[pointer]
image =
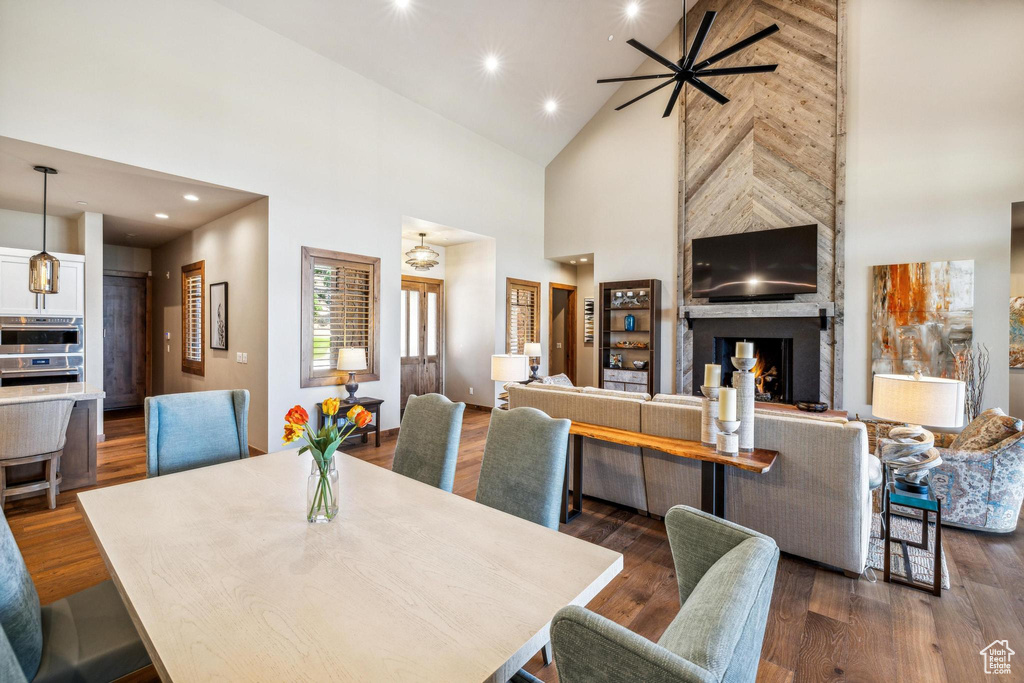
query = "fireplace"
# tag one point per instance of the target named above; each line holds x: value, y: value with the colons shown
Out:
x: 773, y: 371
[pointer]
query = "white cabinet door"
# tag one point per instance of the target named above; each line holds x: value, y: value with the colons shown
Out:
x: 70, y: 297
x: 15, y: 299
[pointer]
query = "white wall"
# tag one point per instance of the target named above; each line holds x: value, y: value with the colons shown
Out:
x: 23, y: 230
x: 470, y: 291
x: 194, y: 89
x: 234, y: 248
x: 613, y: 191
x: 935, y: 157
x: 89, y: 227
x: 128, y: 259
x: 437, y: 272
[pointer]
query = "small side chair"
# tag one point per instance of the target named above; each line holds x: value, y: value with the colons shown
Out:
x: 185, y: 431
x: 30, y: 433
x: 428, y: 441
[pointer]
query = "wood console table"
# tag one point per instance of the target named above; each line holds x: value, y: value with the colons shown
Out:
x: 713, y: 464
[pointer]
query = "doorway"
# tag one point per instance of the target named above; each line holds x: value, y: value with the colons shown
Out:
x: 422, y: 337
x: 562, y: 330
x: 127, y: 347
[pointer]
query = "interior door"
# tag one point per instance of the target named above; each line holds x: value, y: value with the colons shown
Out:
x: 124, y: 341
x: 422, y: 342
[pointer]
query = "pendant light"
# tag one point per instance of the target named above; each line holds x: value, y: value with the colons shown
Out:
x: 422, y: 257
x: 43, y: 269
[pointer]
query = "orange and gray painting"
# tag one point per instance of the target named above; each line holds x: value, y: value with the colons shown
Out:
x: 921, y: 314
x: 1017, y: 332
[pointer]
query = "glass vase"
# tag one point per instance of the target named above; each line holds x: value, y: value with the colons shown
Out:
x: 322, y: 493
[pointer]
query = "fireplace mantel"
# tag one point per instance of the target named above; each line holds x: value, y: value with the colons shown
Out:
x: 775, y: 309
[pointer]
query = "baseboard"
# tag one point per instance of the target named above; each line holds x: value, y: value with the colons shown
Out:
x: 100, y: 438
x: 386, y: 433
x: 485, y: 409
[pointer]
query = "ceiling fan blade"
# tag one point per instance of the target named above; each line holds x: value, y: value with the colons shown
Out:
x: 634, y: 78
x: 731, y: 70
x: 673, y: 98
x: 653, y: 55
x: 746, y: 42
x: 699, y: 38
x: 709, y: 91
x: 640, y: 97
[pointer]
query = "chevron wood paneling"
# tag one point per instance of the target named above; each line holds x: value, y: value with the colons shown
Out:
x: 768, y: 159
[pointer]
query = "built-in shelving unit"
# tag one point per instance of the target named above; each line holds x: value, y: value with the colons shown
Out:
x: 642, y: 300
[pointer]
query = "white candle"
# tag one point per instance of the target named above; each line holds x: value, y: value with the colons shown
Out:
x: 727, y: 404
x: 744, y: 349
x: 712, y: 375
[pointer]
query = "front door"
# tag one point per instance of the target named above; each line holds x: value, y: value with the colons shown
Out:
x: 124, y: 341
x: 422, y: 342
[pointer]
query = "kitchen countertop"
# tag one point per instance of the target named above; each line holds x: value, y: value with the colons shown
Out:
x: 80, y: 391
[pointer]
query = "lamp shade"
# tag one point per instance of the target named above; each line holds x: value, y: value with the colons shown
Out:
x: 931, y: 401
x: 507, y: 368
x: 531, y: 349
x: 351, y: 359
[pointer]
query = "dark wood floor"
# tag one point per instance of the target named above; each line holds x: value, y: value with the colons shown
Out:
x: 822, y: 625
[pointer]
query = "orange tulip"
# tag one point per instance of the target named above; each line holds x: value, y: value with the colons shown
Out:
x: 362, y: 418
x: 292, y: 432
x: 297, y: 416
x: 330, y: 406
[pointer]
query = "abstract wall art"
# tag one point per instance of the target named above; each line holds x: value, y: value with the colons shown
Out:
x: 922, y: 313
x: 1017, y: 331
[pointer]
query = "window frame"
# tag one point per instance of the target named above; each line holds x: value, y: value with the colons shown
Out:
x: 336, y: 377
x: 193, y: 367
x: 516, y: 283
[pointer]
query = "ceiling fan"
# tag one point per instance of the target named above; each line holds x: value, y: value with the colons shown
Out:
x: 689, y: 70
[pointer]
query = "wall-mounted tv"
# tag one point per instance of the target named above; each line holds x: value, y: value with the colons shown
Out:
x: 750, y: 266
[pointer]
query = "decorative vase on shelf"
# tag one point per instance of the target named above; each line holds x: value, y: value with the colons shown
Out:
x: 630, y: 322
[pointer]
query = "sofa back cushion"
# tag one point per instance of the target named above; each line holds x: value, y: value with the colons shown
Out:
x: 607, y: 411
x: 615, y: 392
x: 986, y: 430
x: 685, y: 400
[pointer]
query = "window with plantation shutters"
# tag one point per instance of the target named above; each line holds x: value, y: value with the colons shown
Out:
x: 193, y: 335
x: 522, y: 311
x: 340, y: 309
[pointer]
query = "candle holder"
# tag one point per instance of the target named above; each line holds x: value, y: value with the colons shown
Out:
x: 727, y: 442
x: 743, y: 382
x: 708, y: 409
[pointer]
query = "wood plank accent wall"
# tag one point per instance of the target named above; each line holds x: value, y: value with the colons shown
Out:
x: 773, y: 157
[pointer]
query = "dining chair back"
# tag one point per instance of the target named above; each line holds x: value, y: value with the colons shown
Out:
x: 19, y: 604
x: 10, y: 670
x: 523, y: 467
x: 428, y: 441
x: 29, y: 433
x: 185, y: 431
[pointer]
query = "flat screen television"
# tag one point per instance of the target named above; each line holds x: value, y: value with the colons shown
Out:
x: 750, y: 266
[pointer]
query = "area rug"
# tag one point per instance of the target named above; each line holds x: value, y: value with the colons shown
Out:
x: 920, y: 560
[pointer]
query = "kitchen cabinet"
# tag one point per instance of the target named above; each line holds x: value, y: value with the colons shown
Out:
x: 17, y: 300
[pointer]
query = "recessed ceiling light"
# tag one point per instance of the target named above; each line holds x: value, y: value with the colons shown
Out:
x: 550, y: 106
x: 491, y: 63
x: 572, y: 262
x: 402, y: 4
x: 632, y: 9
x: 161, y: 215
x: 583, y: 260
x: 611, y: 38
x: 81, y: 203
x: 191, y: 197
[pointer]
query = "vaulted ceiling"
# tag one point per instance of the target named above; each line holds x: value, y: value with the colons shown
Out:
x: 434, y: 51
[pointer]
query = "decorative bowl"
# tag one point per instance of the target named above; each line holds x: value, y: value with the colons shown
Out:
x: 812, y: 406
x: 640, y: 364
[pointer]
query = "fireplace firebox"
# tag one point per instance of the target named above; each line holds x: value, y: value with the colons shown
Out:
x: 773, y: 371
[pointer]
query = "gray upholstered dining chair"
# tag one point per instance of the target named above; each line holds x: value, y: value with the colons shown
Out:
x: 30, y: 433
x: 726, y: 575
x: 185, y: 431
x: 84, y: 637
x: 523, y: 466
x: 428, y: 441
x: 10, y: 669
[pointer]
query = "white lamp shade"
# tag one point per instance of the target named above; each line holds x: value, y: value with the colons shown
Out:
x: 531, y: 349
x: 506, y: 368
x: 930, y: 401
x: 351, y: 359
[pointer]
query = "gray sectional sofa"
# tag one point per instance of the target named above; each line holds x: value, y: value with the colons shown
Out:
x: 815, y: 501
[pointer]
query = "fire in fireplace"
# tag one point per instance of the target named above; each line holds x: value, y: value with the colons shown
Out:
x: 773, y: 371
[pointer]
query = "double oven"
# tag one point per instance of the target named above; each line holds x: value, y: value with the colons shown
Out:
x: 41, y: 350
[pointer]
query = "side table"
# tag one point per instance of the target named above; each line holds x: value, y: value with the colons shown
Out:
x: 927, y: 503
x: 372, y: 405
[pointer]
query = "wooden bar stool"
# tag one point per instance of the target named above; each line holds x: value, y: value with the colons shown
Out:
x: 33, y: 432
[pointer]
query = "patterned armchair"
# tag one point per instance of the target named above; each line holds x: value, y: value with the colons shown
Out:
x: 981, y: 478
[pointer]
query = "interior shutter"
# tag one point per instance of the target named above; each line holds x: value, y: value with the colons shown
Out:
x: 523, y: 311
x: 192, y: 305
x: 342, y: 316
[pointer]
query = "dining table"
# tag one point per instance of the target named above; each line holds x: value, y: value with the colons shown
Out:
x: 226, y: 580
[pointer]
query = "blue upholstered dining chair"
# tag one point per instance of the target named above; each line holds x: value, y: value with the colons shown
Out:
x: 84, y: 637
x: 523, y: 466
x: 185, y: 431
x: 428, y: 442
x: 726, y: 575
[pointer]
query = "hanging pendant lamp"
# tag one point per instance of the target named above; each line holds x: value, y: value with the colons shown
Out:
x: 43, y: 269
x: 422, y: 257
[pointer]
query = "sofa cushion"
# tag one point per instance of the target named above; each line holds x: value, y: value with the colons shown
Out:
x: 683, y: 399
x: 986, y: 430
x: 555, y: 387
x: 615, y: 392
x: 560, y: 379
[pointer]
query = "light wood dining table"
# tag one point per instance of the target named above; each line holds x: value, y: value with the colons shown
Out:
x: 225, y: 579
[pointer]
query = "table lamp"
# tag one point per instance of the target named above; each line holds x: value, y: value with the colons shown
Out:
x: 532, y: 350
x: 509, y: 368
x: 915, y: 401
x: 351, y: 360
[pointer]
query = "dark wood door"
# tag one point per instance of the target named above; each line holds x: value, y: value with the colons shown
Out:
x: 124, y: 341
x: 422, y: 336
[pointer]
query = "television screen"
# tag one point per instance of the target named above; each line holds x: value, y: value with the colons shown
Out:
x: 768, y: 264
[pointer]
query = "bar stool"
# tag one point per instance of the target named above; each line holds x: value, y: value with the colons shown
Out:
x: 33, y: 432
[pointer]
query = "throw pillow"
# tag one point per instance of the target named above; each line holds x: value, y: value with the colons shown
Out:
x: 560, y: 379
x: 986, y: 430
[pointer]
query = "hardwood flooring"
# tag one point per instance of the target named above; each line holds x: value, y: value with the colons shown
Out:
x: 822, y: 625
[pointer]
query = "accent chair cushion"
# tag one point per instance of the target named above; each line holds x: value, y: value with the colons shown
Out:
x: 986, y: 430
